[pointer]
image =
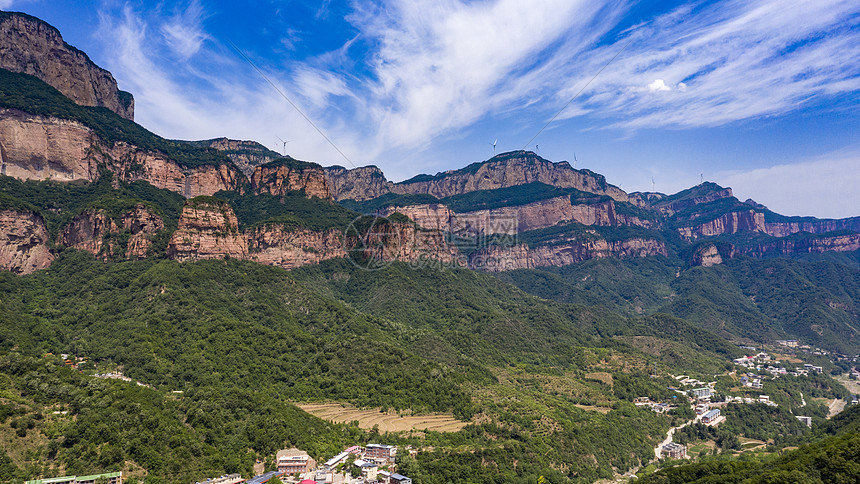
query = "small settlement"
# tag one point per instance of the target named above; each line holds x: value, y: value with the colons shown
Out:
x: 373, y: 463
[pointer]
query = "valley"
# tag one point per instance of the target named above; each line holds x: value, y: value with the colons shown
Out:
x: 176, y: 311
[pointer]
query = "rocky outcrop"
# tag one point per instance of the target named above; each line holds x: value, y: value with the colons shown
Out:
x: 31, y: 46
x: 507, y: 170
x: 502, y: 171
x: 729, y: 223
x: 805, y: 245
x: 291, y: 248
x: 499, y: 258
x: 511, y: 220
x: 363, y: 183
x: 208, y: 229
x: 433, y: 216
x: 389, y: 241
x: 246, y: 155
x: 783, y: 229
x: 96, y: 232
x: 706, y: 256
x: 23, y: 242
x: 45, y: 148
x: 288, y: 175
x: 705, y: 193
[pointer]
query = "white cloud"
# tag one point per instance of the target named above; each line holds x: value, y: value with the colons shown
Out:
x: 6, y: 4
x: 659, y: 85
x: 184, y: 31
x: 825, y: 186
x: 438, y: 67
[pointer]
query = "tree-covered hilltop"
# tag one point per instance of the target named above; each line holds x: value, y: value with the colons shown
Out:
x: 814, y: 299
x: 530, y: 373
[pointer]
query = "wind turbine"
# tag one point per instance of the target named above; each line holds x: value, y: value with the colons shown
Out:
x: 284, y: 142
x: 494, y: 143
x: 701, y: 178
x: 652, y: 185
x: 574, y: 160
x: 537, y: 149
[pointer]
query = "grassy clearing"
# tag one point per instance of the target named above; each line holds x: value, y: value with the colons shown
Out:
x: 387, y: 421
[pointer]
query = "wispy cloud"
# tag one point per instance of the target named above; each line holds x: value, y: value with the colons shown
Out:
x: 435, y: 68
x: 184, y: 31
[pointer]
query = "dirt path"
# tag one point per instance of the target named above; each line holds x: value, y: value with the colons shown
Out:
x: 669, y: 435
x: 836, y: 406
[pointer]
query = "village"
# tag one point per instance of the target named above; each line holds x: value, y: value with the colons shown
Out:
x: 750, y: 371
x: 376, y: 463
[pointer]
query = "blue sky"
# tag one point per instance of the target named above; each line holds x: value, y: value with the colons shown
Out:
x: 760, y: 96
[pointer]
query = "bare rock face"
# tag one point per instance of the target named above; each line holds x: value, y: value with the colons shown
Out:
x: 511, y: 220
x: 363, y: 183
x: 502, y: 171
x: 92, y: 230
x: 811, y: 245
x: 507, y: 170
x: 405, y: 242
x: 729, y: 223
x: 23, y: 242
x: 782, y: 229
x: 281, y: 177
x: 31, y: 46
x: 275, y: 245
x: 433, y: 216
x: 705, y: 193
x: 208, y: 229
x: 45, y: 148
x: 246, y: 155
x: 707, y: 256
x: 499, y: 258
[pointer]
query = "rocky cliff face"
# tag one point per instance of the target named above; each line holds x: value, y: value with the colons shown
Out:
x: 208, y: 229
x: 507, y: 170
x: 45, y: 148
x: 95, y: 231
x: 31, y: 46
x: 279, y: 178
x: 246, y: 155
x: 277, y: 246
x: 502, y: 171
x: 363, y: 183
x: 23, y: 242
x: 511, y: 220
x: 706, y: 256
x: 705, y: 193
x: 782, y: 229
x: 729, y: 223
x: 391, y: 241
x: 498, y: 258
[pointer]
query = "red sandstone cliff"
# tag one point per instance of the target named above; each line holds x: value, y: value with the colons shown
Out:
x: 499, y: 258
x: 31, y: 46
x: 287, y: 175
x: 23, y: 242
x: 363, y: 183
x: 94, y: 231
x: 246, y: 155
x: 44, y: 148
x: 208, y: 229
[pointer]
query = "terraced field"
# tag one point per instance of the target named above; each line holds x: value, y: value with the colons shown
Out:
x: 387, y: 421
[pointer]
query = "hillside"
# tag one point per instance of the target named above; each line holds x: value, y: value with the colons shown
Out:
x: 170, y: 307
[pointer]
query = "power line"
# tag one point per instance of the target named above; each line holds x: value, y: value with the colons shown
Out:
x: 577, y: 95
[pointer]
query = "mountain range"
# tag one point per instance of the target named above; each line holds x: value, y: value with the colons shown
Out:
x: 522, y: 295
